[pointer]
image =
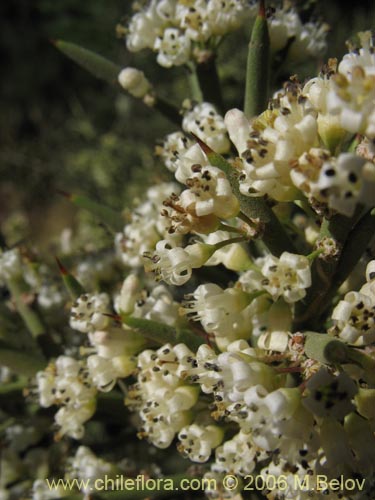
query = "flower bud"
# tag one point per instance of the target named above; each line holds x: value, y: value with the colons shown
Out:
x: 134, y: 81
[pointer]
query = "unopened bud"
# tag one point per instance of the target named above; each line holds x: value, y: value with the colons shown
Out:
x: 134, y: 81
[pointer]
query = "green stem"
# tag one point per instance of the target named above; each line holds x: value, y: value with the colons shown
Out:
x: 195, y: 89
x: 366, y: 362
x: 313, y: 255
x: 17, y: 386
x: 231, y: 229
x: 257, y: 71
x: 209, y: 82
x: 303, y: 204
x: 30, y: 317
x: 168, y: 110
x: 356, y: 244
x: 221, y: 244
x: 317, y: 299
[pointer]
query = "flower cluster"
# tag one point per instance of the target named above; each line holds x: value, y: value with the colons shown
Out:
x: 180, y: 31
x: 160, y: 396
x: 256, y: 356
x: 175, y: 29
x: 67, y: 383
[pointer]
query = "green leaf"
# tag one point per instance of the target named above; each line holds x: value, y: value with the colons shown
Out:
x: 351, y: 238
x: 257, y: 71
x: 366, y: 362
x: 30, y: 317
x: 163, y: 334
x: 11, y: 387
x: 73, y: 286
x: 20, y: 362
x: 105, y: 214
x: 96, y: 64
x: 325, y: 349
x: 108, y: 71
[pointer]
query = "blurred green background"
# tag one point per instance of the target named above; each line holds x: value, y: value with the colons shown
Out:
x: 62, y: 129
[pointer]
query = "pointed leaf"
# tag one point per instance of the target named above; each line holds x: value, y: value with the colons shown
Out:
x: 257, y: 71
x: 325, y: 349
x: 163, y: 334
x: 20, y: 362
x: 73, y: 286
x: 96, y: 64
x: 105, y: 214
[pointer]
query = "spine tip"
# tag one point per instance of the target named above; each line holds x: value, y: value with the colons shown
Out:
x: 262, y: 9
x: 62, y: 269
x: 205, y: 148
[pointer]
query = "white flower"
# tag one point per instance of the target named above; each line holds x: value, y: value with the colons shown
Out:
x: 225, y: 313
x: 283, y: 25
x: 134, y: 81
x: 10, y: 264
x: 330, y: 395
x: 88, y: 312
x: 188, y: 160
x: 287, y: 276
x: 228, y: 375
x: 237, y: 456
x: 274, y: 341
x: 158, y: 306
x: 227, y: 15
x: 311, y: 41
x: 173, y: 48
x: 86, y: 465
x: 192, y: 19
x: 204, y: 121
x: 105, y: 372
x: 174, y: 146
x: 306, y: 171
x: 354, y: 318
x: 197, y: 441
x: 144, y: 27
x: 344, y: 182
x: 369, y: 287
x: 269, y: 146
x: 363, y: 57
x: 352, y: 97
x: 209, y: 193
x: 50, y: 295
x: 161, y: 395
x: 67, y: 383
x: 129, y: 294
x: 71, y: 418
x: 174, y: 265
x: 115, y: 342
x: 147, y: 226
